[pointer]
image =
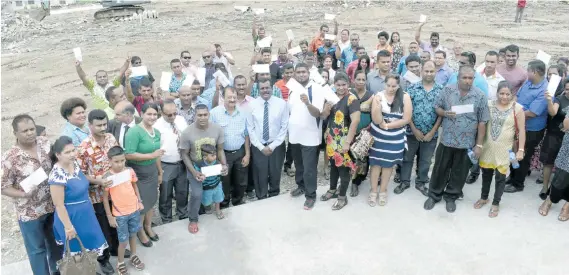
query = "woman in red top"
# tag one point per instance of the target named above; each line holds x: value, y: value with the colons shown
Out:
x: 520, y: 11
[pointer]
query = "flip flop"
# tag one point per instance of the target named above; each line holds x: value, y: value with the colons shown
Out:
x: 480, y: 203
x: 220, y: 215
x: 494, y: 210
x: 544, y: 208
x: 564, y: 215
x: 193, y: 227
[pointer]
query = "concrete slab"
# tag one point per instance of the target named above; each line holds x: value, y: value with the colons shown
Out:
x: 276, y: 236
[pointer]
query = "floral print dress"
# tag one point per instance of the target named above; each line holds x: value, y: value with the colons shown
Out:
x: 397, y: 55
x: 337, y: 130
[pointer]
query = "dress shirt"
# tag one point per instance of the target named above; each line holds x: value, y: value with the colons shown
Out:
x: 76, y: 134
x: 479, y: 81
x: 375, y: 83
x: 123, y: 132
x: 278, y: 122
x: 168, y: 137
x: 493, y: 81
x: 532, y: 98
x: 443, y: 75
x: 234, y: 126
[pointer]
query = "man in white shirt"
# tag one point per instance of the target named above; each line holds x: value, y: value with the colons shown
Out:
x: 267, y: 125
x: 223, y: 57
x: 305, y: 133
x: 174, y: 179
x: 125, y: 118
x: 490, y: 73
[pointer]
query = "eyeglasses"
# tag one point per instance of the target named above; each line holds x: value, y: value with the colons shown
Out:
x: 206, y: 56
x: 187, y: 57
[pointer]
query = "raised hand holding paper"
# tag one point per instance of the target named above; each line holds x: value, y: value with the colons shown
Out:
x: 423, y: 18
x: 77, y: 53
x: 201, y: 76
x: 138, y: 71
x: 289, y: 34
x: 120, y: 178
x: 259, y: 11
x: 329, y: 37
x: 222, y: 78
x: 265, y: 42
x: 295, y: 50
x: 33, y: 180
x: 213, y: 170
x: 554, y: 81
x: 462, y: 109
x: 328, y: 16
x: 261, y: 68
x: 165, y: 81
x: 543, y: 56
x: 294, y: 86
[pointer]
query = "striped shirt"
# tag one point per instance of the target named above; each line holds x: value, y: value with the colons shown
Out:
x: 209, y: 182
x: 234, y: 126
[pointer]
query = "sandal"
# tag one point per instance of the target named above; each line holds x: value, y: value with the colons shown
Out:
x: 480, y: 203
x: 564, y: 215
x: 340, y: 203
x: 330, y: 194
x: 136, y: 263
x: 382, y: 199
x: 121, y: 269
x: 494, y: 210
x: 372, y: 198
x: 544, y: 208
x: 220, y: 215
x: 355, y: 190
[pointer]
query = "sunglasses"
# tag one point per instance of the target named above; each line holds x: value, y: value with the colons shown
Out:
x: 207, y: 56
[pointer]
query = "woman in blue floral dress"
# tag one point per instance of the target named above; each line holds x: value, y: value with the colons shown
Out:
x: 70, y: 193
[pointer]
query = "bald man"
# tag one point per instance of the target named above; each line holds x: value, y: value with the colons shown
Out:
x: 207, y: 58
x: 124, y: 120
x: 277, y: 66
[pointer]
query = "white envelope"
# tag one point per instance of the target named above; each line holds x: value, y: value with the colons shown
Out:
x: 222, y: 78
x: 554, y: 81
x: 201, y: 76
x: 261, y: 68
x: 463, y: 109
x: 213, y: 170
x: 330, y: 37
x: 543, y: 56
x: 411, y: 77
x: 317, y: 78
x: 120, y: 178
x: 33, y: 180
x: 295, y: 50
x: 274, y: 57
x: 77, y: 53
x: 289, y: 34
x: 328, y: 16
x: 296, y: 87
x: 241, y: 8
x: 265, y: 42
x: 329, y: 95
x: 165, y: 81
x: 138, y: 71
x: 188, y: 81
x: 259, y: 11
x: 423, y: 18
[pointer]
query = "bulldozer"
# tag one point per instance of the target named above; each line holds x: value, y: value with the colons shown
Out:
x: 111, y: 9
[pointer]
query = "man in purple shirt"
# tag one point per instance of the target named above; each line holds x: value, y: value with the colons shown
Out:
x: 434, y: 39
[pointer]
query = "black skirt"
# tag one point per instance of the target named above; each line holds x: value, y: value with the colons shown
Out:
x: 559, y: 186
x: 550, y: 147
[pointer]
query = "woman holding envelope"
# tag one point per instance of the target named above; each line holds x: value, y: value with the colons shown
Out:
x: 142, y: 148
x: 70, y: 193
x: 507, y: 120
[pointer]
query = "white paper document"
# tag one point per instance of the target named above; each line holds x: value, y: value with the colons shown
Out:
x: 296, y: 87
x: 188, y: 81
x: 261, y: 68
x: 222, y: 78
x: 77, y: 53
x: 463, y: 109
x: 290, y: 34
x: 294, y: 50
x: 411, y: 77
x: 274, y: 57
x: 423, y: 18
x: 201, y: 76
x: 138, y: 71
x: 554, y: 81
x: 259, y: 11
x: 241, y: 8
x: 317, y: 78
x: 213, y: 170
x: 329, y: 37
x: 330, y: 95
x: 265, y: 42
x: 120, y: 178
x: 543, y: 56
x: 165, y: 81
x: 328, y: 16
x: 33, y: 180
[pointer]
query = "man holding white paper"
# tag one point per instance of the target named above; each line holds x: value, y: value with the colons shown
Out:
x: 35, y: 208
x: 306, y: 101
x: 174, y: 179
x: 318, y: 40
x: 223, y: 57
x: 134, y: 81
x: 461, y: 133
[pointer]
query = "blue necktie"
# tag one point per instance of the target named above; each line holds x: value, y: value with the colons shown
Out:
x: 266, y: 122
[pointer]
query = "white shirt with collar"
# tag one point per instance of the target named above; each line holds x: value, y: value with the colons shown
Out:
x: 493, y: 82
x: 278, y: 122
x: 122, y: 133
x: 303, y: 128
x: 168, y: 139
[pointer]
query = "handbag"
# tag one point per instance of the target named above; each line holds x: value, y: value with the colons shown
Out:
x: 516, y: 145
x: 84, y: 263
x: 362, y: 144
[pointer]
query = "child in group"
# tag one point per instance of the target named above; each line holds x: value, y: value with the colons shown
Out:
x: 125, y: 215
x: 212, y: 189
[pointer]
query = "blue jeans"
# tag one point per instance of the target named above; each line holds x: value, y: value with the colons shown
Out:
x: 43, y: 252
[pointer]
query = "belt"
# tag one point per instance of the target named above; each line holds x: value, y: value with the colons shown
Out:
x: 173, y: 163
x: 233, y: 151
x: 209, y: 187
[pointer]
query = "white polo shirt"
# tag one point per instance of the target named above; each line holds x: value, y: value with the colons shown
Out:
x: 303, y: 128
x: 168, y: 138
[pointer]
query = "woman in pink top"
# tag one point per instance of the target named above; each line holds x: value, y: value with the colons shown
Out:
x: 520, y: 11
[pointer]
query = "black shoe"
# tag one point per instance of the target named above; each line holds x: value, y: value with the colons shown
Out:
x: 251, y: 195
x: 397, y: 178
x: 461, y: 196
x: 107, y: 268
x: 512, y: 189
x: 126, y: 253
x: 472, y: 178
x: 309, y: 204
x: 224, y: 204
x: 429, y: 204
x: 400, y: 188
x: 146, y: 244
x: 296, y: 192
x: 239, y: 202
x: 424, y: 190
x: 451, y: 206
x: 540, y: 179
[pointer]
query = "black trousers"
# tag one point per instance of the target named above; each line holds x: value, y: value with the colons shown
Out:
x: 487, y: 181
x: 250, y: 175
x: 267, y: 171
x: 450, y: 163
x: 288, y: 159
x: 306, y: 164
x: 109, y: 232
x: 235, y: 182
x: 518, y: 176
x: 339, y: 173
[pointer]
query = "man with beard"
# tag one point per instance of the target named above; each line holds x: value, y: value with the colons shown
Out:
x: 431, y: 47
x: 511, y: 71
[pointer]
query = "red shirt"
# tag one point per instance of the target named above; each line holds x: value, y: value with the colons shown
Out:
x: 284, y: 90
x: 521, y: 3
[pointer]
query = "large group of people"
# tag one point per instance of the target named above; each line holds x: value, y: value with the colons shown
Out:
x: 386, y: 111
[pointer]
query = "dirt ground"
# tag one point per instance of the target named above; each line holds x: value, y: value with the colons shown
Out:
x: 38, y: 65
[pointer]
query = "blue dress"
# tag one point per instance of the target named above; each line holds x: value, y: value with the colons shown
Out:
x: 79, y: 209
x: 388, y: 145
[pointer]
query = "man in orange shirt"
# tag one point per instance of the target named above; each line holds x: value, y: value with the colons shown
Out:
x: 318, y: 40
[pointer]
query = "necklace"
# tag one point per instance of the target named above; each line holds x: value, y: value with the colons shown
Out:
x: 148, y: 132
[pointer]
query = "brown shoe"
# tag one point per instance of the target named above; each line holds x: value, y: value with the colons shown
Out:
x: 121, y: 269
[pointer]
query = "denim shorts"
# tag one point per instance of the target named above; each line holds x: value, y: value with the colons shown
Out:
x: 214, y: 195
x: 128, y: 226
